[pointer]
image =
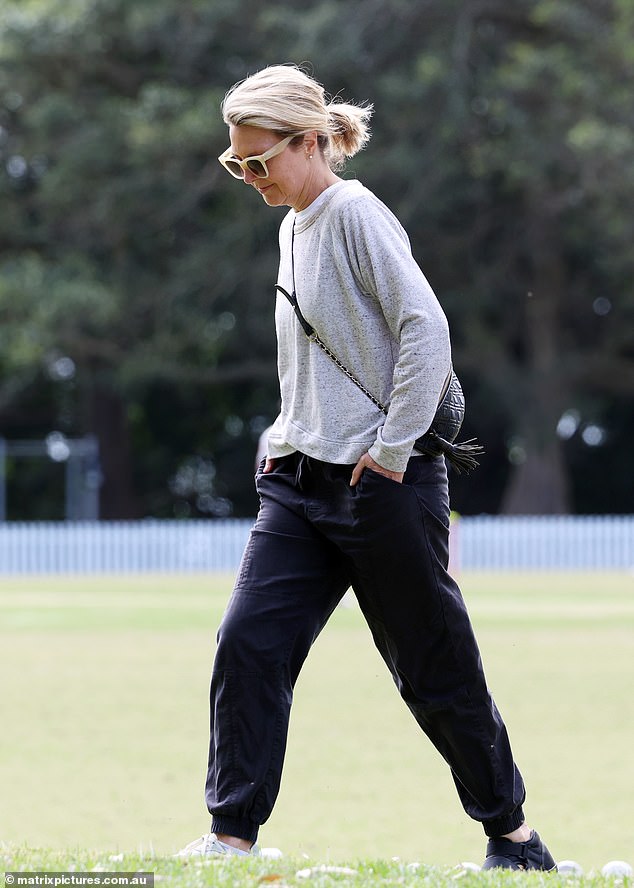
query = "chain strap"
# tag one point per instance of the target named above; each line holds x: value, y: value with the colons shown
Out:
x: 315, y: 338
x: 312, y: 334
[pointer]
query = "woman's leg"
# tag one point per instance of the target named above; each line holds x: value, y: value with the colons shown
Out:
x: 290, y: 580
x: 420, y: 625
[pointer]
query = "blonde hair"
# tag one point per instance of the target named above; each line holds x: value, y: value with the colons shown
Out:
x: 286, y: 100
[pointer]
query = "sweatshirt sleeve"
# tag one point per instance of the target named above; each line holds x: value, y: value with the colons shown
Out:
x: 381, y: 257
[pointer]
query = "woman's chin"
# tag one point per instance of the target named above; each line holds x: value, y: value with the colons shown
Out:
x: 271, y: 196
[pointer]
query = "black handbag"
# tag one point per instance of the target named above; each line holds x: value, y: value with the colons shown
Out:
x: 439, y: 439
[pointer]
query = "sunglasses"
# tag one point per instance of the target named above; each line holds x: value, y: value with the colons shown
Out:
x: 256, y: 164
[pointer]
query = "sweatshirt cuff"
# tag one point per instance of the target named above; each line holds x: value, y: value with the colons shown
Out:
x: 394, y: 459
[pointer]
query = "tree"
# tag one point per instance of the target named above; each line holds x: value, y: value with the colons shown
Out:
x: 561, y: 147
x: 119, y: 253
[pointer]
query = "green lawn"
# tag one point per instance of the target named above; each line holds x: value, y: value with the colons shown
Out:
x: 104, y: 722
x: 285, y: 873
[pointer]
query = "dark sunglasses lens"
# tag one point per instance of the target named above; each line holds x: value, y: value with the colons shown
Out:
x: 257, y: 168
x: 234, y: 168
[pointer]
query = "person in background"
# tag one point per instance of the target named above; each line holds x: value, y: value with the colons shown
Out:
x: 345, y: 500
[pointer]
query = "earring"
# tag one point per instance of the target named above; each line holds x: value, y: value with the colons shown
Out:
x: 310, y: 156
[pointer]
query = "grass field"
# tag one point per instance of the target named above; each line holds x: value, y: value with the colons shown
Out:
x: 293, y: 873
x: 104, y: 724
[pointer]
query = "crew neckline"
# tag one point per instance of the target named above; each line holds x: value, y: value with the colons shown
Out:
x: 307, y: 216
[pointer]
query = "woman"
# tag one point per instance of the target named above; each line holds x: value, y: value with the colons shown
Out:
x: 344, y: 499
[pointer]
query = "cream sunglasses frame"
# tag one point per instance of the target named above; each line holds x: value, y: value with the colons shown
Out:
x: 227, y: 156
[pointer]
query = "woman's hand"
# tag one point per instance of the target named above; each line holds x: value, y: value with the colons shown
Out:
x: 366, y: 462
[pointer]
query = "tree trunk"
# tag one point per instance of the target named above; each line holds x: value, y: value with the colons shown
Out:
x: 538, y: 486
x: 538, y: 482
x: 118, y: 499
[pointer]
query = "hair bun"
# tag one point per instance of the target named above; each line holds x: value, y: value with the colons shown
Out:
x: 349, y: 129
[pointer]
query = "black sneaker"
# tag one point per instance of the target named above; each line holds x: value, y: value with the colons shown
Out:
x: 531, y: 855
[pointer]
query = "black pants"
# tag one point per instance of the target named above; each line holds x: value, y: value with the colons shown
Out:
x: 314, y: 537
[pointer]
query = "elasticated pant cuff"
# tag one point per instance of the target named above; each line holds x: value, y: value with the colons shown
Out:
x: 501, y: 826
x: 234, y: 826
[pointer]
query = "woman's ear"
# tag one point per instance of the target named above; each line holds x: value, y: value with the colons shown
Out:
x: 311, y: 143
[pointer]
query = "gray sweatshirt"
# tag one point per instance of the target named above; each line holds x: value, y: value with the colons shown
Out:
x: 359, y: 286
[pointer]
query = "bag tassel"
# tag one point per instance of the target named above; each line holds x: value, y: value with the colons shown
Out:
x: 461, y: 456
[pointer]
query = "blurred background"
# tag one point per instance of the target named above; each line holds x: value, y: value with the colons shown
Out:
x: 137, y: 346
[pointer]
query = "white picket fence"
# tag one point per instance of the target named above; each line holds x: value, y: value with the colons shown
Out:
x: 122, y: 546
x: 478, y: 543
x: 593, y: 542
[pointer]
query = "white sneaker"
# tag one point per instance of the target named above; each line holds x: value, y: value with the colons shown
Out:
x: 210, y: 845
